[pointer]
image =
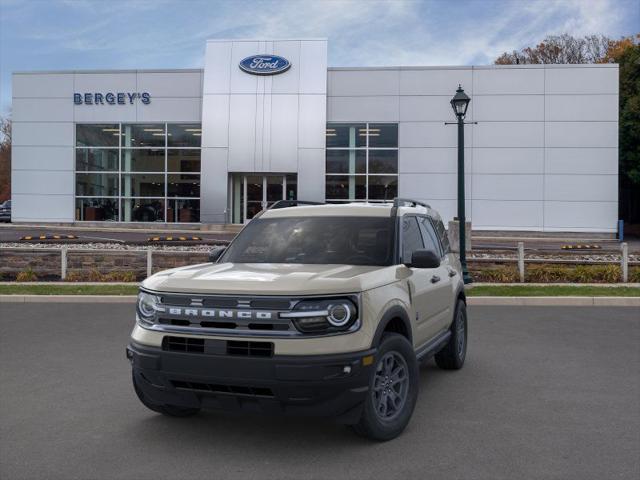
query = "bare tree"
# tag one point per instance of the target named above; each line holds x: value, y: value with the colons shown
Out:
x: 560, y: 49
x: 5, y: 159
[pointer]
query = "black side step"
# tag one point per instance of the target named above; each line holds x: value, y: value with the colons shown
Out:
x: 433, y: 346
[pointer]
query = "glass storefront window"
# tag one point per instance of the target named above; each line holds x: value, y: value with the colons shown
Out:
x: 361, y: 161
x: 291, y: 190
x: 179, y: 185
x: 96, y: 209
x: 346, y: 161
x: 383, y: 161
x: 142, y: 185
x: 97, y: 135
x: 143, y: 209
x: 184, y: 135
x: 143, y: 160
x: 383, y: 135
x: 342, y: 135
x: 133, y: 164
x: 96, y: 159
x: 383, y: 187
x: 183, y: 211
x: 96, y: 185
x: 346, y: 187
x: 143, y: 135
x: 183, y: 161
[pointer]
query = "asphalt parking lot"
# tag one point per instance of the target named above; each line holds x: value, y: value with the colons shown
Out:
x: 546, y: 393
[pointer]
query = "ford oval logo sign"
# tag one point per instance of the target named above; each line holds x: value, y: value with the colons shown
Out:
x: 265, y: 64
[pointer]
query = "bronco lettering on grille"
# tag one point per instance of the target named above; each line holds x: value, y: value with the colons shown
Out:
x: 215, y: 313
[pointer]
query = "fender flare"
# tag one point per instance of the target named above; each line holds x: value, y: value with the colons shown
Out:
x: 461, y: 295
x: 395, y: 311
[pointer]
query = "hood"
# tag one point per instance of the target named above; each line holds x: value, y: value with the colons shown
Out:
x: 271, y: 279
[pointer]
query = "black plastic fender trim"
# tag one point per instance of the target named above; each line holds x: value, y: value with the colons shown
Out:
x: 394, y: 312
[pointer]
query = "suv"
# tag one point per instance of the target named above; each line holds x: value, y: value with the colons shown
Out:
x: 313, y: 310
x: 5, y: 211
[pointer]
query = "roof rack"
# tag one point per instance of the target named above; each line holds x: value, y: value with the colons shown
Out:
x: 292, y: 203
x: 400, y: 202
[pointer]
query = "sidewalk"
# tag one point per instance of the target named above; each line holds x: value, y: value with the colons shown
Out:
x: 124, y: 228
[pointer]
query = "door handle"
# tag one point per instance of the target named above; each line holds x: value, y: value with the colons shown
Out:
x: 452, y: 272
x: 435, y: 279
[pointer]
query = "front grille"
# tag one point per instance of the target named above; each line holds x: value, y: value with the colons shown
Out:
x: 217, y: 347
x: 229, y: 315
x: 217, y: 388
x: 271, y: 303
x: 250, y: 349
x: 207, y: 301
x: 183, y: 344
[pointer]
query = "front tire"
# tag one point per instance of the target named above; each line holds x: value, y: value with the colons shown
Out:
x: 452, y: 356
x: 169, y: 410
x: 393, y: 390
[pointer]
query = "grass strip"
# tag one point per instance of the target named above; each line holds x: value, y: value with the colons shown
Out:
x: 551, y: 291
x: 54, y: 289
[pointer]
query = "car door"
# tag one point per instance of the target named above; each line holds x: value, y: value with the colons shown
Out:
x: 441, y: 280
x: 423, y: 289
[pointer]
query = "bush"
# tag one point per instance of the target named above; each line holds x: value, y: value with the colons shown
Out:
x: 495, y: 273
x: 27, y: 275
x: 127, y: 276
x: 634, y: 274
x: 552, y: 273
x: 74, y: 277
x: 94, y: 275
x: 541, y: 273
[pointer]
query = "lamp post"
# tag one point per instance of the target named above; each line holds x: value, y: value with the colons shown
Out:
x: 460, y: 103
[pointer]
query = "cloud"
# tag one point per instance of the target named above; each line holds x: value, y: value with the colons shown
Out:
x: 39, y: 35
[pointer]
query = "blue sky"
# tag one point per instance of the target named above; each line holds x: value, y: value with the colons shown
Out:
x: 115, y: 34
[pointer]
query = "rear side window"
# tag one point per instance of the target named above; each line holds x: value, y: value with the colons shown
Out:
x: 411, y: 238
x: 442, y: 235
x: 429, y: 235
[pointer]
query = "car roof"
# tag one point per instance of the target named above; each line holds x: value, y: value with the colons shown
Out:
x: 357, y: 209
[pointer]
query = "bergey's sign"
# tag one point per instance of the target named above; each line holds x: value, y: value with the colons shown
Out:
x: 110, y: 98
x: 265, y: 64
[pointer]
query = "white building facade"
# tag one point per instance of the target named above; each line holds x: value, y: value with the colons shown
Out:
x: 217, y: 145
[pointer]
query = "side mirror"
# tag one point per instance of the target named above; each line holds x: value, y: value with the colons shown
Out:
x: 216, y: 253
x: 424, y: 259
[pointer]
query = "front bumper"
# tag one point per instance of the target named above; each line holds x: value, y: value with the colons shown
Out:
x: 315, y: 385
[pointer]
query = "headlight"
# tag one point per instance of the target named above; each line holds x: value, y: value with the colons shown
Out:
x: 147, y: 307
x: 323, y: 316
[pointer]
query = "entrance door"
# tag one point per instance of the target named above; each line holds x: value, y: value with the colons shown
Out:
x: 254, y: 203
x: 252, y: 193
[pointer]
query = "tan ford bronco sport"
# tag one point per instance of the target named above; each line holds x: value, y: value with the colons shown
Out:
x: 311, y: 310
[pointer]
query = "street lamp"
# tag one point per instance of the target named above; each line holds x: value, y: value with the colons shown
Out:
x: 460, y: 103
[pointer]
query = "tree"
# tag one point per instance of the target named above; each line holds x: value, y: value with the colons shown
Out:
x: 600, y: 49
x: 560, y: 49
x: 5, y: 159
x: 626, y: 53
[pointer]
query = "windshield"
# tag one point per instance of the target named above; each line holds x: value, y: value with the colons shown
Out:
x: 317, y: 240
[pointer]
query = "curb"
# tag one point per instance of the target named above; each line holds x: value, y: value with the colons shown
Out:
x: 475, y: 301
x: 554, y: 284
x: 556, y: 301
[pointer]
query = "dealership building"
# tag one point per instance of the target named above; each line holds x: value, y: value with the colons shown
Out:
x: 270, y: 120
